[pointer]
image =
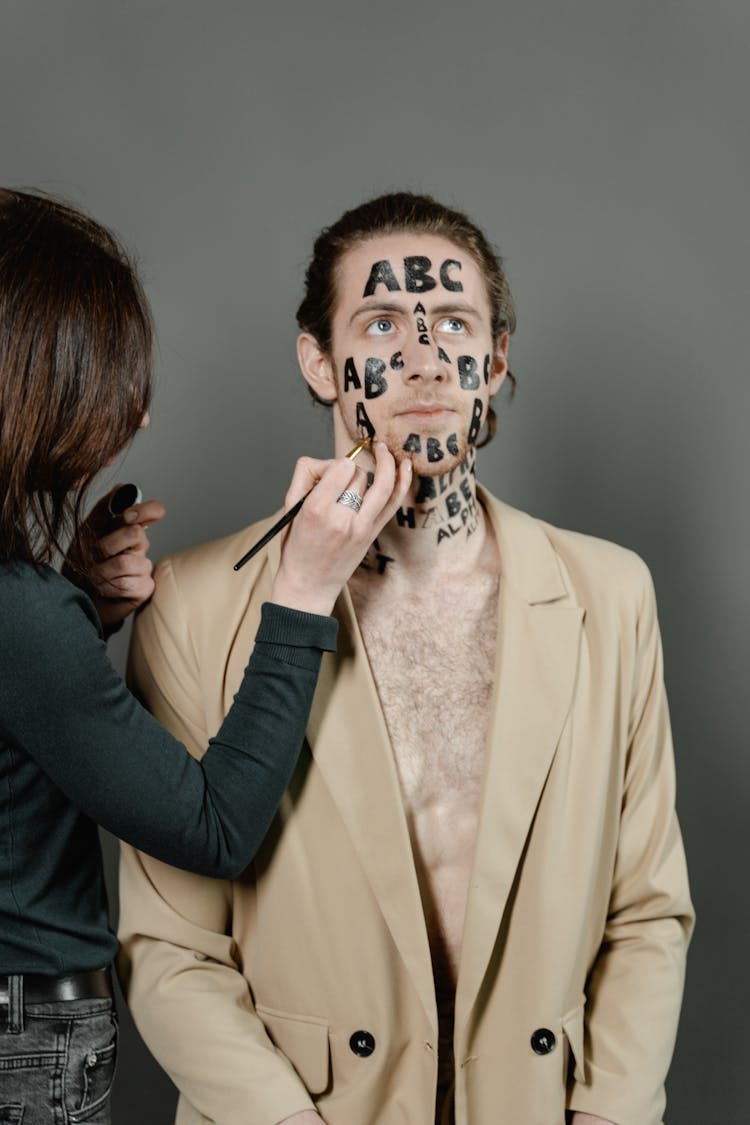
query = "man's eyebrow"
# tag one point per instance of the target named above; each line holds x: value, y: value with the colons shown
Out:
x: 376, y: 307
x: 453, y: 307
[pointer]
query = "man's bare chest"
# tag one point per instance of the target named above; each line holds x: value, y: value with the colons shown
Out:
x: 433, y: 659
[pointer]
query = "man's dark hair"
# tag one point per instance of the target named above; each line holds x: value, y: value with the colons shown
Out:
x: 389, y: 214
x: 75, y: 366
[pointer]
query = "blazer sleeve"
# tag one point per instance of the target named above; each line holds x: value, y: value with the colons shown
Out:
x: 179, y: 964
x: 634, y: 989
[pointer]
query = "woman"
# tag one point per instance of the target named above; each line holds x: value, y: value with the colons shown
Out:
x: 76, y: 748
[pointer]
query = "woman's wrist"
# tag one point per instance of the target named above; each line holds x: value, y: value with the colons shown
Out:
x: 301, y: 595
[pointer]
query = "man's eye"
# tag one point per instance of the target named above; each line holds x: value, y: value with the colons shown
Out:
x: 452, y: 325
x: 380, y: 327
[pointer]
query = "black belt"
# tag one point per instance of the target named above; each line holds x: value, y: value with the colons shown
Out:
x: 94, y: 984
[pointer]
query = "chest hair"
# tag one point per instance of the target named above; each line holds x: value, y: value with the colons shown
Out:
x: 432, y: 656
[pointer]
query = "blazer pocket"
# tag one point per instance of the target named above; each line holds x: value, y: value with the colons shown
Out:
x: 304, y: 1041
x: 572, y: 1025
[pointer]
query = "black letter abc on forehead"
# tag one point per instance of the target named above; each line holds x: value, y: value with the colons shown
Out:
x: 418, y: 280
x: 449, y: 282
x: 381, y: 274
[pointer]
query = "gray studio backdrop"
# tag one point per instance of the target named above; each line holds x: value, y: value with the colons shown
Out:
x: 603, y: 146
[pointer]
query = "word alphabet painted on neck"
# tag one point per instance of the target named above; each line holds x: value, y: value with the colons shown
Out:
x: 417, y: 279
x: 430, y: 487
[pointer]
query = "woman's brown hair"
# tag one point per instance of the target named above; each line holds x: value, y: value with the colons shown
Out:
x: 75, y: 367
x: 388, y: 214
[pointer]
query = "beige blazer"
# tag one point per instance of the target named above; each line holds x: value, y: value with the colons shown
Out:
x: 259, y: 996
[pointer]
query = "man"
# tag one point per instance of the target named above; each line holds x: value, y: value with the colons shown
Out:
x: 473, y: 905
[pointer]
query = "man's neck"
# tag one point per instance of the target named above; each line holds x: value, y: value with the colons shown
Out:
x: 441, y: 529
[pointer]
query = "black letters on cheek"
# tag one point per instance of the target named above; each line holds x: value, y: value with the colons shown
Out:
x: 449, y: 282
x: 476, y: 421
x: 417, y: 278
x: 405, y: 517
x: 451, y: 444
x: 443, y: 355
x: 381, y: 274
x: 468, y: 375
x: 412, y: 444
x: 486, y: 370
x: 397, y: 361
x: 434, y: 452
x: 375, y: 384
x: 363, y: 422
x: 351, y: 378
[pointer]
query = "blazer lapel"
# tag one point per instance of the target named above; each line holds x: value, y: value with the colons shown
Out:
x: 351, y: 748
x: 539, y: 631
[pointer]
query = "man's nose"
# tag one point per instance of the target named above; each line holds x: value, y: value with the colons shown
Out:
x: 423, y: 361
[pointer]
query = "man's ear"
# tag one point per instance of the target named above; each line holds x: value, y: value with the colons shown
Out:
x: 317, y: 368
x: 499, y: 363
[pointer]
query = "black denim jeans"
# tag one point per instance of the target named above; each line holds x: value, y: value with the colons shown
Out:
x: 57, y: 1060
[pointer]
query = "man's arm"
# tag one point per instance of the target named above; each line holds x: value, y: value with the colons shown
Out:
x: 184, y: 984
x: 635, y: 986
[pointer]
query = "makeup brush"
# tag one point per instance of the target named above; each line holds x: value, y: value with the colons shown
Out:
x: 287, y: 518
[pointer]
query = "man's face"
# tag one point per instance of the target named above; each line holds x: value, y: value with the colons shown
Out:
x: 412, y: 352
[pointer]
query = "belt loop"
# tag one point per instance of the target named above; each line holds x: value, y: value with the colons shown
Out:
x: 15, y: 1003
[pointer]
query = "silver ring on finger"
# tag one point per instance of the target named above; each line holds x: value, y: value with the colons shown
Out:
x: 350, y: 498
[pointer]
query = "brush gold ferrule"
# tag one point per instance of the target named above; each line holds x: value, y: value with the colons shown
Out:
x: 358, y: 448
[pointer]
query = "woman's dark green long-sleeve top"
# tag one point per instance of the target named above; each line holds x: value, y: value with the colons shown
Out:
x: 77, y: 749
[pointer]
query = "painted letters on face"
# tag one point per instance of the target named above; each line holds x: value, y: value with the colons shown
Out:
x: 476, y: 421
x: 381, y: 274
x: 417, y: 278
x: 351, y: 378
x: 363, y: 422
x: 468, y: 373
x: 375, y: 384
x: 384, y: 371
x: 421, y: 324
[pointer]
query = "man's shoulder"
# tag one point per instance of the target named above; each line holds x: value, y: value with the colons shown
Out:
x: 588, y: 564
x: 600, y: 558
x: 211, y: 564
x: 199, y: 586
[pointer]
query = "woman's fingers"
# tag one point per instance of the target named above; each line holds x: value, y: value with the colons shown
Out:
x: 150, y: 511
x: 132, y: 537
x: 307, y: 472
x: 389, y: 487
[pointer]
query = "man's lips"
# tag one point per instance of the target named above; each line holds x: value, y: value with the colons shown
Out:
x: 425, y: 410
